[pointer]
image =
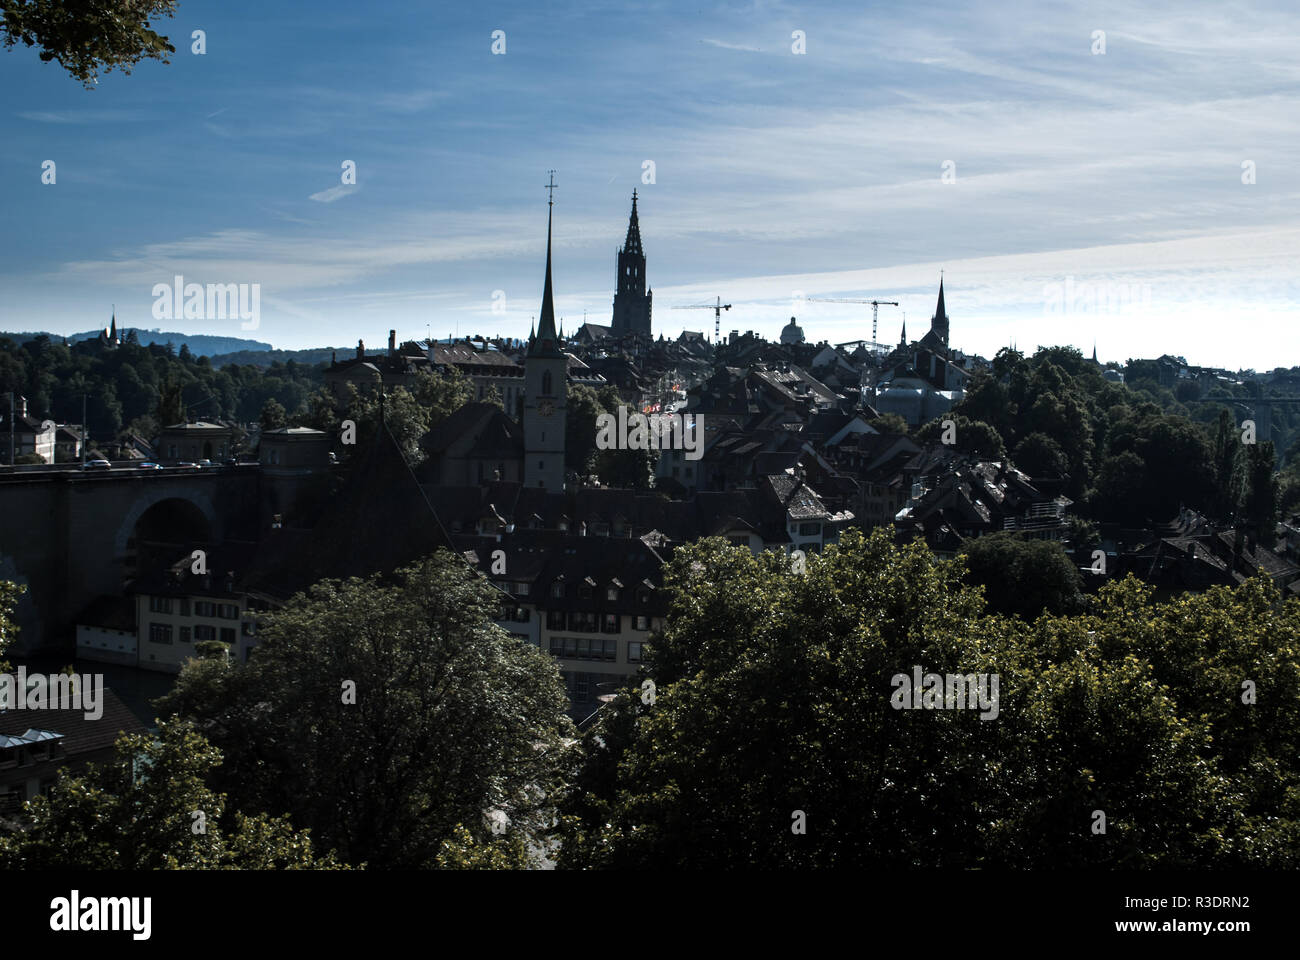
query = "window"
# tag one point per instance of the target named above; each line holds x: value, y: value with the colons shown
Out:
x: 160, y: 633
x: 609, y: 623
x: 160, y: 604
x: 546, y: 383
x: 228, y: 611
x: 611, y: 593
x: 584, y: 592
x: 519, y: 589
x: 204, y: 608
x: 809, y: 529
x: 586, y: 622
x: 205, y: 632
x: 557, y: 590
x: 228, y: 635
x: 634, y: 652
x: 555, y: 619
x: 185, y: 635
x: 585, y: 648
x: 185, y: 606
x: 640, y: 623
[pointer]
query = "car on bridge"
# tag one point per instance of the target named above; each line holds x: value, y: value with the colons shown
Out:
x: 185, y: 464
x: 147, y: 465
x: 96, y: 465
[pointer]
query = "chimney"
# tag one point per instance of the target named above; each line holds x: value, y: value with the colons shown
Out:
x: 392, y: 343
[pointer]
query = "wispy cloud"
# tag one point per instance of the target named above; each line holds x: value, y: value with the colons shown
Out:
x: 335, y: 193
x: 731, y: 46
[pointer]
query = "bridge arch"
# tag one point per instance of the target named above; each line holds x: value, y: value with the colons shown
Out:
x: 188, y: 513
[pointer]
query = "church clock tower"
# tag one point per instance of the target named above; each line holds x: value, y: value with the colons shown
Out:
x: 545, y: 389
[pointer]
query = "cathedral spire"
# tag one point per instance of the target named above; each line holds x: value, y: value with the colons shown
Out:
x: 633, y: 242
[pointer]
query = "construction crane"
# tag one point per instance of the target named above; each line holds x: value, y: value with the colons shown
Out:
x: 717, y: 308
x: 875, y: 307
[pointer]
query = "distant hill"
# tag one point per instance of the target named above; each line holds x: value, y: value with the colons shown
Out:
x: 200, y: 344
x: 264, y: 358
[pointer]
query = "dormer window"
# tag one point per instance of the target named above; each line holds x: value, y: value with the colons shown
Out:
x: 557, y: 590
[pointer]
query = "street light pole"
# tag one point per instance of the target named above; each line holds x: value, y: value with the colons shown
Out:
x: 85, y: 431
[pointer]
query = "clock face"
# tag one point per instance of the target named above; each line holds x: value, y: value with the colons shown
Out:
x: 546, y: 408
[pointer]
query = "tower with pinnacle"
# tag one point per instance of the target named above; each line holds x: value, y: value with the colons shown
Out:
x: 545, y: 387
x: 632, y: 301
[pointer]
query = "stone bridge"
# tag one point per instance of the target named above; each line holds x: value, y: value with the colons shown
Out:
x: 70, y: 536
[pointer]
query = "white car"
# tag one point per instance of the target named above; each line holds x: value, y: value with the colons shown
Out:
x: 96, y: 465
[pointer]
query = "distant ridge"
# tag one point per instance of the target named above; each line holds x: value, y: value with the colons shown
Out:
x: 200, y: 344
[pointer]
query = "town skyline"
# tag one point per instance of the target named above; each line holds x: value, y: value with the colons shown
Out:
x: 819, y: 173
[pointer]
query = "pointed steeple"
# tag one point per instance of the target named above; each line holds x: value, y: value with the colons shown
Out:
x: 633, y: 242
x: 112, y: 331
x: 902, y: 341
x: 1094, y: 352
x: 544, y: 343
x: 939, y: 322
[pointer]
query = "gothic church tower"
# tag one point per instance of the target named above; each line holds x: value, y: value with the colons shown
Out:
x: 545, y: 391
x: 632, y: 302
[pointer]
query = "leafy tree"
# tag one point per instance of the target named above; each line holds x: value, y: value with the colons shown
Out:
x: 138, y: 812
x: 9, y: 594
x: 273, y: 416
x: 773, y: 696
x: 890, y: 423
x: 389, y: 716
x: 87, y: 36
x: 1023, y: 577
x: 972, y: 436
x: 1256, y: 486
x: 1041, y: 456
x: 171, y: 408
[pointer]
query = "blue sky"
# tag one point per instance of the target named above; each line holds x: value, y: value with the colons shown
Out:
x: 777, y: 176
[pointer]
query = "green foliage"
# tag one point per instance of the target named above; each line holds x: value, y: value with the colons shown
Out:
x: 890, y: 423
x: 1023, y: 577
x: 90, y: 35
x: 1041, y: 456
x: 272, y: 416
x: 451, y: 717
x: 9, y: 594
x: 773, y: 695
x: 143, y: 387
x: 409, y: 414
x: 137, y: 812
x: 972, y: 436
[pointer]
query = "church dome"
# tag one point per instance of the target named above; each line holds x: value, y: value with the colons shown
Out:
x: 792, y: 333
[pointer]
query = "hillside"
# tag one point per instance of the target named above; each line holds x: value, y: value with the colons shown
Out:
x: 200, y: 344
